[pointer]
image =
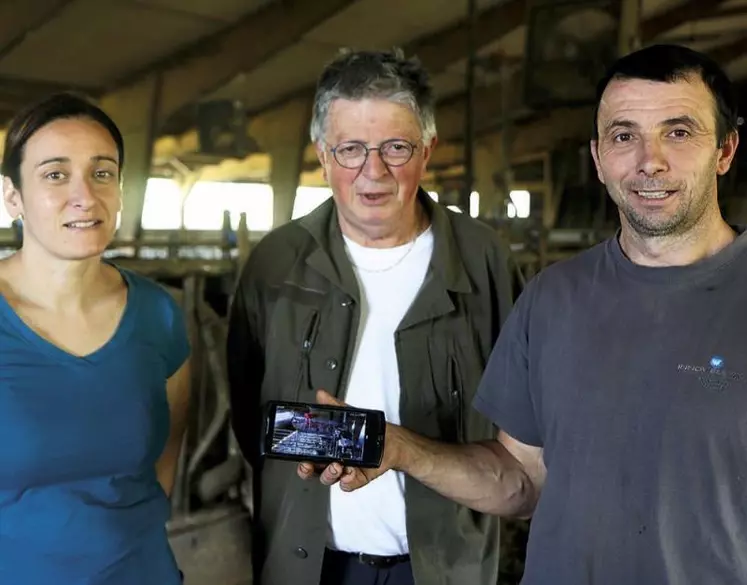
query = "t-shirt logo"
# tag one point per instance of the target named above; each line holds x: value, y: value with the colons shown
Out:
x: 714, y: 376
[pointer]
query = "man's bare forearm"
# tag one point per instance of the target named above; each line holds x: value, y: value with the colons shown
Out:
x: 482, y: 476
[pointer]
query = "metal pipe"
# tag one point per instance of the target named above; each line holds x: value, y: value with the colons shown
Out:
x: 469, y: 110
x: 629, y: 36
x: 506, y: 130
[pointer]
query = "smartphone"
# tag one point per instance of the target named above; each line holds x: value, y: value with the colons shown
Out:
x: 300, y: 431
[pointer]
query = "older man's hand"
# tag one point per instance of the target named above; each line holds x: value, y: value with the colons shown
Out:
x: 351, y: 478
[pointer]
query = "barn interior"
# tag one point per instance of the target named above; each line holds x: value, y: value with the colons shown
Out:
x: 214, y: 101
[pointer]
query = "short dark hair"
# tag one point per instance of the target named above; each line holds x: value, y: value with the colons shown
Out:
x: 34, y: 117
x: 672, y: 63
x: 357, y: 75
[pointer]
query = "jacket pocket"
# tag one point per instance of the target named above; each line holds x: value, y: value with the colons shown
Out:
x: 303, y: 376
x: 456, y: 395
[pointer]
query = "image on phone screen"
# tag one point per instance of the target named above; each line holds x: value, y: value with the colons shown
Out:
x: 306, y: 431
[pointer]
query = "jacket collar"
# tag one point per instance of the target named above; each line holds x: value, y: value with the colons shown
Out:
x: 330, y: 259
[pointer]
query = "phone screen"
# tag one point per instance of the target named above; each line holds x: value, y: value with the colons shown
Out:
x: 302, y: 431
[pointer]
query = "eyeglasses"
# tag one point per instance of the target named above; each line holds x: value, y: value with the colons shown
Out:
x: 354, y: 154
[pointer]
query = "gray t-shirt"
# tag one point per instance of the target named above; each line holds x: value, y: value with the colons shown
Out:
x: 634, y: 381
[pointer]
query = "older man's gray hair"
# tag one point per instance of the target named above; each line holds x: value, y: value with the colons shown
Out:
x: 385, y: 75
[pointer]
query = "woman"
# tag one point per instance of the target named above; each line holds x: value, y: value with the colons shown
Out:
x: 93, y: 368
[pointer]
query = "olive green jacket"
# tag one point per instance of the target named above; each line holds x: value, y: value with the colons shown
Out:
x: 292, y: 330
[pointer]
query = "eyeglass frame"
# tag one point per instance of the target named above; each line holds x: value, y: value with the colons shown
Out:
x: 368, y: 149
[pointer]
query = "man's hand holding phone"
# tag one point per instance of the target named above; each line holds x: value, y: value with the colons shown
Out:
x: 351, y: 478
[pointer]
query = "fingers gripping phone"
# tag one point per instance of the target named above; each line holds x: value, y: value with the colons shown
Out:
x: 300, y: 431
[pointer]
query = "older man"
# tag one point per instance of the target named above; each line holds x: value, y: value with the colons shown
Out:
x: 619, y: 382
x: 388, y: 301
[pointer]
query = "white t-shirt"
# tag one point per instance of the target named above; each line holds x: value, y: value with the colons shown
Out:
x: 372, y: 519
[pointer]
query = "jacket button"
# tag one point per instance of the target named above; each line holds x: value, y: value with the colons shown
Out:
x: 301, y: 553
x: 346, y: 303
x: 331, y: 364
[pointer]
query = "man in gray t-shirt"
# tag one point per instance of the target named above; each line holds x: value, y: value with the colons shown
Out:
x: 633, y: 380
x: 619, y: 381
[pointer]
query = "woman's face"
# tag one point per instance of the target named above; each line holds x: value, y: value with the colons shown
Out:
x: 70, y: 191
